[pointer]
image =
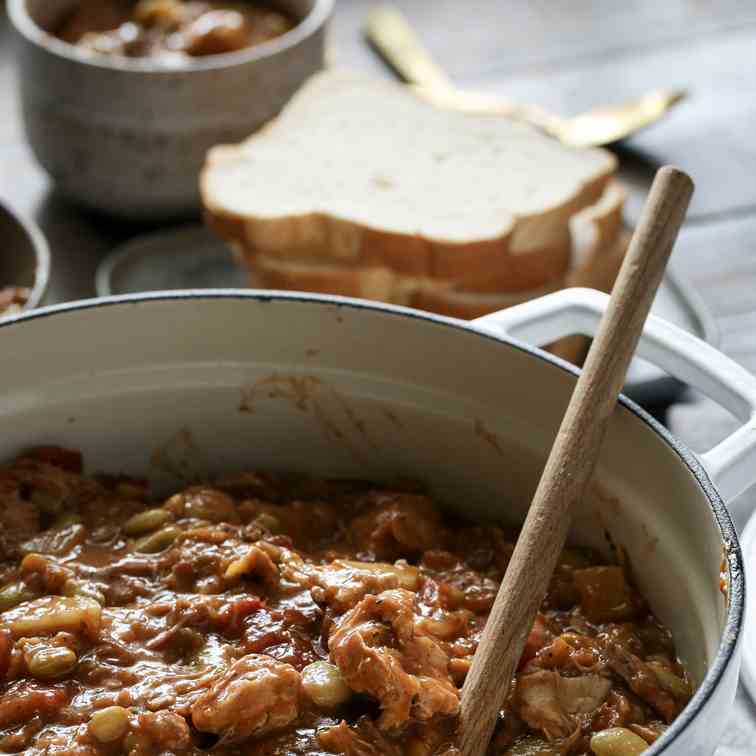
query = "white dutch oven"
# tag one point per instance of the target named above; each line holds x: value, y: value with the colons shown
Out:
x: 180, y: 384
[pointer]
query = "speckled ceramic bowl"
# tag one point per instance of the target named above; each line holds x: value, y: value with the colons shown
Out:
x: 128, y: 136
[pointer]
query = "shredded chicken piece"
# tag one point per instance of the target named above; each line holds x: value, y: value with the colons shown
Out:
x: 641, y: 680
x: 255, y: 696
x: 167, y: 732
x: 399, y: 523
x: 25, y: 700
x: 63, y: 742
x: 583, y: 694
x: 380, y: 652
x: 547, y: 701
x: 342, y: 584
x: 204, y: 504
x: 256, y: 563
x: 537, y: 703
x: 19, y: 519
x: 364, y: 739
x: 40, y: 476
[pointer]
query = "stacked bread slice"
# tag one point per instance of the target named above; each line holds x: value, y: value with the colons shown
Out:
x: 360, y: 188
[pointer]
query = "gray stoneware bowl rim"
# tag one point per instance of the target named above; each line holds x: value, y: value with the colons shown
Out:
x: 41, y: 252
x: 733, y: 628
x: 24, y: 24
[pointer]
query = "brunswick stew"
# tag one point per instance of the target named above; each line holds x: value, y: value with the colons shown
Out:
x: 279, y: 615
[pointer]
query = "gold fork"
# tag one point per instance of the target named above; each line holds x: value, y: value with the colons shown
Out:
x: 398, y: 44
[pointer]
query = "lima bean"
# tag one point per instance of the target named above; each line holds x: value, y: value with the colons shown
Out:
x: 146, y: 521
x: 158, y: 541
x: 617, y: 741
x: 14, y: 594
x: 51, y: 662
x: 108, y: 725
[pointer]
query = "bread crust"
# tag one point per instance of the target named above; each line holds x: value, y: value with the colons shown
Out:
x: 496, y: 264
x: 474, y: 294
x: 535, y: 269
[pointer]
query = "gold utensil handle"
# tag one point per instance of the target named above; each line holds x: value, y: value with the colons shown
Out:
x: 392, y: 36
x: 400, y: 47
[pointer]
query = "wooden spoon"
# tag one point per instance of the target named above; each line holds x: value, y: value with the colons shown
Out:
x: 572, y: 460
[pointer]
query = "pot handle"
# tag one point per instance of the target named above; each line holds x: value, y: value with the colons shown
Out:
x: 732, y: 463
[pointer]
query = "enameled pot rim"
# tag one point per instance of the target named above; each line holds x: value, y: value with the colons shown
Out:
x: 731, y: 633
x: 26, y: 26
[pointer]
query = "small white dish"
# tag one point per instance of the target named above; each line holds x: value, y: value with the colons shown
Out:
x: 185, y: 257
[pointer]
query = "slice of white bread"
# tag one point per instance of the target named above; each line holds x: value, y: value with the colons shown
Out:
x: 361, y: 173
x: 596, y: 229
x: 595, y: 232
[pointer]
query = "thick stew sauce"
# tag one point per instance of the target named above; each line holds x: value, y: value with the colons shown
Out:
x: 270, y: 615
x: 171, y: 31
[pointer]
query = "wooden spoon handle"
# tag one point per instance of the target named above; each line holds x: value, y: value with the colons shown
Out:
x: 572, y: 460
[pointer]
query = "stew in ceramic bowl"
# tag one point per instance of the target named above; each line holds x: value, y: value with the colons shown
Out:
x: 171, y: 30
